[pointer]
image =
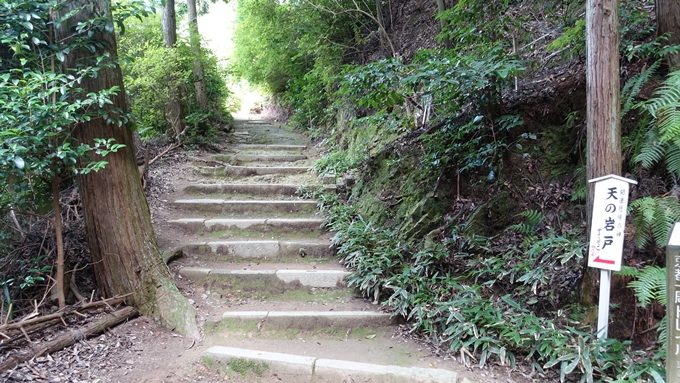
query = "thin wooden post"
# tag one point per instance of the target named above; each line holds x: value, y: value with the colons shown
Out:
x: 603, y: 305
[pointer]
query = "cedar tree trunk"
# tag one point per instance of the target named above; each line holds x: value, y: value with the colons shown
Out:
x: 173, y: 110
x: 668, y: 21
x: 603, y: 107
x: 119, y: 232
x: 195, y: 39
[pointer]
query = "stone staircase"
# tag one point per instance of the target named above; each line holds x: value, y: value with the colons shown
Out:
x: 262, y: 269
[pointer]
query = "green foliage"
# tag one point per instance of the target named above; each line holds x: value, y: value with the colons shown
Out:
x: 335, y: 163
x: 296, y: 50
x: 633, y: 86
x: 278, y: 43
x: 649, y: 284
x: 477, y: 25
x: 152, y: 71
x: 40, y: 107
x: 661, y: 143
x: 443, y: 81
x: 572, y: 38
x: 664, y: 109
x: 468, y: 316
x: 654, y: 218
x: 41, y: 104
x: 532, y: 218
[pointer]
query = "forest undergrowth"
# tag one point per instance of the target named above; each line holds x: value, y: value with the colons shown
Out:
x: 41, y: 104
x: 464, y: 166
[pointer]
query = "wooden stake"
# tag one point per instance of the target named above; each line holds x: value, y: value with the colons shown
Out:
x: 603, y: 305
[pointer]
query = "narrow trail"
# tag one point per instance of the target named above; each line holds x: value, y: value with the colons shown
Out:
x: 261, y: 270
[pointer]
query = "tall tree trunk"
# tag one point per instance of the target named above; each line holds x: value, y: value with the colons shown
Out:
x: 169, y: 21
x: 668, y: 21
x: 441, y: 7
x: 195, y: 39
x: 603, y: 109
x: 120, y: 235
x: 174, y: 114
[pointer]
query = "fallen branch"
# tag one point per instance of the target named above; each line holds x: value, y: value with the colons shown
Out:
x: 60, y: 314
x: 164, y: 152
x: 30, y: 329
x: 169, y: 148
x: 65, y: 340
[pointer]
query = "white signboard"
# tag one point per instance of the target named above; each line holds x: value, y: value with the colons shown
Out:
x: 610, y: 202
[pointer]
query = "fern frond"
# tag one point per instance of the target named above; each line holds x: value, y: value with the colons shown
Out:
x: 673, y: 159
x: 650, y: 286
x: 634, y: 84
x: 666, y: 95
x: 668, y: 122
x: 651, y: 151
x: 669, y: 214
x: 643, y: 214
x: 668, y: 51
x: 628, y: 271
x: 532, y: 218
x: 654, y: 218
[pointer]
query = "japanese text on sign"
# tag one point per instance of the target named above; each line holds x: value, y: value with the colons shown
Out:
x: 610, y: 201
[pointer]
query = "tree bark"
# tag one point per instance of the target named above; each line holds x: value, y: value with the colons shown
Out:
x: 603, y: 107
x: 59, y: 239
x: 668, y: 21
x: 441, y: 7
x: 195, y: 40
x: 120, y: 235
x: 174, y: 113
x: 169, y: 21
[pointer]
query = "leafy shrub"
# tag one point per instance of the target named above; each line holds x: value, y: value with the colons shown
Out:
x: 41, y: 106
x: 465, y: 315
x: 152, y: 71
x: 335, y: 163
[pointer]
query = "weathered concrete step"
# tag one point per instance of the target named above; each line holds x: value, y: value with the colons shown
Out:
x: 254, y: 224
x: 238, y: 159
x: 261, y: 249
x: 293, y: 278
x: 247, y: 206
x: 270, y: 147
x: 297, y: 368
x: 245, y: 171
x: 310, y: 320
x: 288, y: 190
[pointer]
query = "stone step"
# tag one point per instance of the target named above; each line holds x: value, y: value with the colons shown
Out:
x: 229, y: 250
x: 240, y: 158
x: 292, y: 368
x: 245, y: 171
x: 254, y: 225
x: 246, y: 147
x: 307, y: 320
x: 218, y: 206
x: 273, y: 279
x: 287, y: 190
